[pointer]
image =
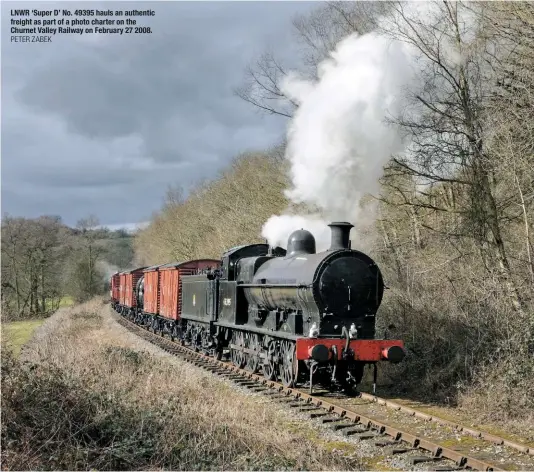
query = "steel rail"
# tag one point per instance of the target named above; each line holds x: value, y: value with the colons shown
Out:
x: 310, y: 402
x: 497, y: 440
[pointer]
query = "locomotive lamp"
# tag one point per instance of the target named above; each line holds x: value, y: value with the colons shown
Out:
x: 314, y: 331
x: 353, y: 332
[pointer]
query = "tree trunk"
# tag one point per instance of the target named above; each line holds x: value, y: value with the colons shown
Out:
x: 484, y: 185
x: 496, y: 243
x: 43, y: 292
x: 527, y: 234
x: 416, y: 236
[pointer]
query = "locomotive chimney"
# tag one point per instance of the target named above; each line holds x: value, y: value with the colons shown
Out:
x: 340, y: 235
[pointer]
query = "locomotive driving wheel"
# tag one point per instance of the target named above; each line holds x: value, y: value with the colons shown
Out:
x: 238, y: 356
x: 252, y: 359
x: 289, y: 365
x: 270, y: 364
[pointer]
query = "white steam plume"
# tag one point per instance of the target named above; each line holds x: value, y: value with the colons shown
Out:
x: 107, y: 269
x: 338, y: 140
x: 278, y: 228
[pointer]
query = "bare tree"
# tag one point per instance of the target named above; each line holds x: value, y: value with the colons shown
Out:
x: 31, y: 259
x: 448, y: 130
x: 87, y: 279
x: 318, y: 33
x: 262, y: 87
x: 321, y: 30
x: 508, y: 30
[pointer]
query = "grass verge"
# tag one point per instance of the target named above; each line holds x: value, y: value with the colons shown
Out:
x: 17, y: 333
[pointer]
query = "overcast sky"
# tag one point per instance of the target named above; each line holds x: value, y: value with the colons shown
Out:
x: 88, y: 122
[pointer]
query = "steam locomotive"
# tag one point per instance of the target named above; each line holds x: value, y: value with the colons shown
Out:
x: 296, y: 315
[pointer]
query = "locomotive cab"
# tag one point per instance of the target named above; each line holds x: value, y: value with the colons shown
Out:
x: 237, y: 263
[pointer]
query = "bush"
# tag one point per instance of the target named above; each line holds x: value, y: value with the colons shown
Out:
x: 52, y: 421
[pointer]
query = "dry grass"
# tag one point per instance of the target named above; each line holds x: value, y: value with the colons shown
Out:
x: 92, y: 395
x: 502, y: 396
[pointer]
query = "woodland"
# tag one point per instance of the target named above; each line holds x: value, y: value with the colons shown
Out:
x: 452, y: 223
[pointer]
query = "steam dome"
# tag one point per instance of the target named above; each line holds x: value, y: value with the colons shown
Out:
x: 300, y: 242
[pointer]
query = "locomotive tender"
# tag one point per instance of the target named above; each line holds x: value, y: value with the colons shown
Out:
x: 293, y: 314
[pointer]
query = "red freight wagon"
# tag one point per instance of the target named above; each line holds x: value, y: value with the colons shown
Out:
x: 170, y: 284
x: 122, y: 287
x: 151, y: 297
x: 130, y: 281
x: 115, y: 280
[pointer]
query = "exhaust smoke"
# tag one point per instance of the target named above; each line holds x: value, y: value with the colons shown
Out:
x: 338, y: 140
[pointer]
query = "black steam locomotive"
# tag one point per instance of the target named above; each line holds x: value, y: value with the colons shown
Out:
x: 297, y: 315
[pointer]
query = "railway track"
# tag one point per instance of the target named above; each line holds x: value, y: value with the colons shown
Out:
x: 353, y: 423
x: 496, y: 440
